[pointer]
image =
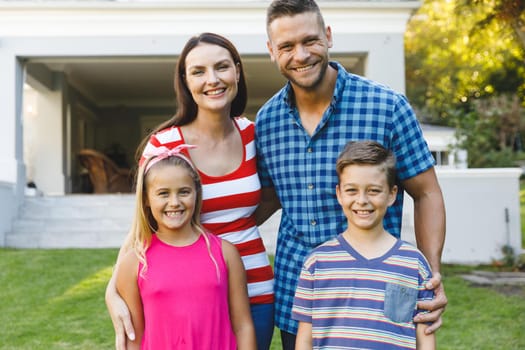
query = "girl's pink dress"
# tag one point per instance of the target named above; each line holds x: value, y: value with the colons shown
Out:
x: 185, y: 303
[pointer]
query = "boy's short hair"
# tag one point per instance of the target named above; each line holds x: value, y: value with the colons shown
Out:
x: 368, y: 153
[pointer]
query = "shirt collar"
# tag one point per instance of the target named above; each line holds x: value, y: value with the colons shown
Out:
x: 288, y: 94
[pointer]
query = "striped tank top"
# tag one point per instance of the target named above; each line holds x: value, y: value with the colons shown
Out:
x: 228, y: 208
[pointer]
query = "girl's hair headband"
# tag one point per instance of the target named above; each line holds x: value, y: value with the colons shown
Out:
x: 163, y: 152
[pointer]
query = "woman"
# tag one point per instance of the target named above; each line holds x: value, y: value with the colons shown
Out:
x: 211, y: 97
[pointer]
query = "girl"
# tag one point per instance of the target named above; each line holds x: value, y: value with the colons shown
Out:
x: 185, y: 288
x: 211, y: 95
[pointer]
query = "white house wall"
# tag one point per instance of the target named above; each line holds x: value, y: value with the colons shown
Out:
x: 10, y: 108
x: 483, y: 214
x: 44, y: 143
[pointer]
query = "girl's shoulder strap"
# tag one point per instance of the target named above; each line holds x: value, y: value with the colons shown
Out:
x: 213, y: 239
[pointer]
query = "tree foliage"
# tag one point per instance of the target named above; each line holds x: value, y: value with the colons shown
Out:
x: 466, y: 68
x: 508, y: 12
x: 490, y: 131
x: 461, y: 50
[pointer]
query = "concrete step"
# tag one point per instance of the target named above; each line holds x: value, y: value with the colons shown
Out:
x: 87, y: 221
x: 78, y: 206
x: 71, y: 224
x: 72, y: 221
x: 55, y: 240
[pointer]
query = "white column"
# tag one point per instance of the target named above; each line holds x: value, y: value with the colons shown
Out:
x: 11, y: 165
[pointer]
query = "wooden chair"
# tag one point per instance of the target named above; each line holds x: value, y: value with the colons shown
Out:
x: 104, y: 174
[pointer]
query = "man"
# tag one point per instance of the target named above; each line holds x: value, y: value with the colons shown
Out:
x: 301, y: 130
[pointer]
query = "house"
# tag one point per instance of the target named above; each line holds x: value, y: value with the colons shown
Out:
x: 442, y: 141
x: 99, y: 74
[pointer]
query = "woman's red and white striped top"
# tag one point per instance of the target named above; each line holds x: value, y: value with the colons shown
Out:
x: 228, y: 208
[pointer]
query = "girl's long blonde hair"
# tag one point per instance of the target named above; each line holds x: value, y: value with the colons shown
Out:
x: 144, y: 224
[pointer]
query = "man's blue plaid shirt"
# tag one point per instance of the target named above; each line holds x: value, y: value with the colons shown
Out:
x: 302, y: 167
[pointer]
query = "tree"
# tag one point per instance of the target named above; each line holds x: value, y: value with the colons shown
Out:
x: 507, y: 12
x: 461, y: 50
x: 490, y: 132
x: 465, y: 63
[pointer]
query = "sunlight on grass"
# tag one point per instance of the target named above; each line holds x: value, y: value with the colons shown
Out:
x: 54, y: 299
x: 88, y: 285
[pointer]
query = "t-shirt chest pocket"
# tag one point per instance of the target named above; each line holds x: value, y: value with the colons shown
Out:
x: 400, y: 302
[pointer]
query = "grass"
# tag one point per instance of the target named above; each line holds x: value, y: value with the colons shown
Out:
x: 54, y: 299
x: 481, y: 318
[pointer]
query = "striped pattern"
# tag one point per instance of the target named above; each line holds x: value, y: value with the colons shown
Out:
x: 301, y: 167
x: 343, y: 295
x: 229, y: 203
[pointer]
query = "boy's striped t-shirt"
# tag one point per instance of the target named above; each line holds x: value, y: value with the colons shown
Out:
x: 344, y: 296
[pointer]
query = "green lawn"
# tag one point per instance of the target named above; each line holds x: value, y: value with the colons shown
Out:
x: 53, y: 299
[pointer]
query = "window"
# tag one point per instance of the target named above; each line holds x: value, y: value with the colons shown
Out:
x: 441, y: 158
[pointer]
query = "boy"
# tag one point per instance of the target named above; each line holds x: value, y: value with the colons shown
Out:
x: 360, y: 289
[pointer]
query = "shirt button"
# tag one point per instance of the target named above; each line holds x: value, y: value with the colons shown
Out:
x: 313, y: 222
x: 310, y: 186
x: 309, y: 150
